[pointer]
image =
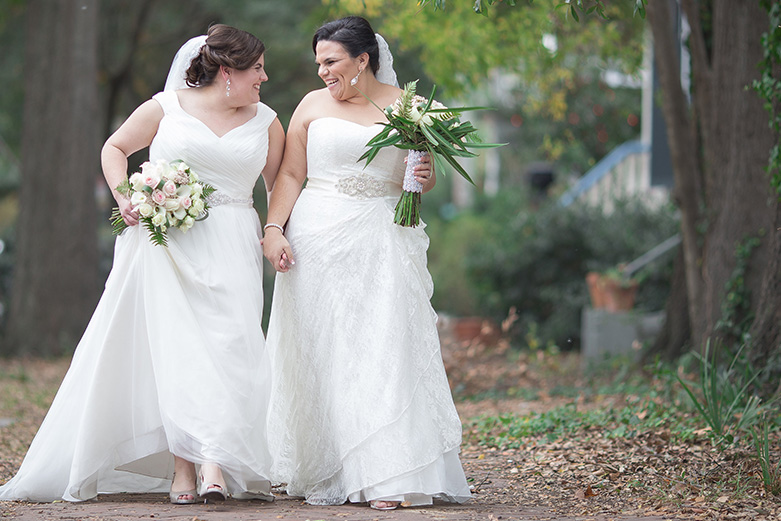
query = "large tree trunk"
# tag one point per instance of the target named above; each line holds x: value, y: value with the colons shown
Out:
x: 766, y: 329
x: 736, y: 144
x: 55, y: 284
x: 725, y: 197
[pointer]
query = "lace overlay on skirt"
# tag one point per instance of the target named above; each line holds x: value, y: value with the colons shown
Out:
x: 361, y: 407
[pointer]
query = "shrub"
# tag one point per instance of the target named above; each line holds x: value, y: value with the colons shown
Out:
x: 536, y: 261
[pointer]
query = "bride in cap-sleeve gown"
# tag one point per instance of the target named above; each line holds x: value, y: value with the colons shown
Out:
x: 173, y: 361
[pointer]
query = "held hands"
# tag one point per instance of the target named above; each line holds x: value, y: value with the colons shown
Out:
x: 277, y: 250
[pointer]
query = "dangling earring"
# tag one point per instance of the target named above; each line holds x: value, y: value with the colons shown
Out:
x: 228, y: 88
x: 355, y: 80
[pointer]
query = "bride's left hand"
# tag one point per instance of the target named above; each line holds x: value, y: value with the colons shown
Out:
x: 424, y: 171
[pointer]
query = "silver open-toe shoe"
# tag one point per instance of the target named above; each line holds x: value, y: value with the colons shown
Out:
x: 180, y: 498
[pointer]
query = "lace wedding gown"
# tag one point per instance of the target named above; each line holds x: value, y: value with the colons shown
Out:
x: 361, y: 408
x: 173, y: 360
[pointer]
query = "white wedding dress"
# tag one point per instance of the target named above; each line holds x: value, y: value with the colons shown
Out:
x: 173, y: 360
x: 361, y: 408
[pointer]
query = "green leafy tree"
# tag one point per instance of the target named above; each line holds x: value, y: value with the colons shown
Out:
x: 544, y: 73
x: 719, y: 144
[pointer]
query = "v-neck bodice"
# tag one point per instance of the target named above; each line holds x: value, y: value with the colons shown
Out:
x: 231, y: 163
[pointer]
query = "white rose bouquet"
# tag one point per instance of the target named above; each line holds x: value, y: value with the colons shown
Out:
x: 424, y: 126
x: 166, y: 195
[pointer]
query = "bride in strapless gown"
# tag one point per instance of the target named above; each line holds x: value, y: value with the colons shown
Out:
x: 361, y: 409
x: 173, y: 361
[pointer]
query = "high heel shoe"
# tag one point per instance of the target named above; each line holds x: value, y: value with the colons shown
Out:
x: 180, y: 498
x: 212, y: 490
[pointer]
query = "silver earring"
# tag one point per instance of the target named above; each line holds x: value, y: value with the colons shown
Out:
x: 355, y: 80
x: 228, y: 88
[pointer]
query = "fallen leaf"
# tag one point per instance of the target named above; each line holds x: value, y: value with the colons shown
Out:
x: 583, y: 494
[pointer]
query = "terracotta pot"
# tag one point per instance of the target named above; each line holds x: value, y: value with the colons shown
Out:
x: 595, y: 289
x: 619, y: 297
x: 468, y: 328
x: 608, y: 293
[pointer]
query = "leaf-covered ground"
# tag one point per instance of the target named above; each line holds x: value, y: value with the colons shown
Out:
x: 544, y: 438
x: 603, y: 439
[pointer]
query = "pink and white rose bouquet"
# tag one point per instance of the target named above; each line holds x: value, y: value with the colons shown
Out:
x: 166, y: 195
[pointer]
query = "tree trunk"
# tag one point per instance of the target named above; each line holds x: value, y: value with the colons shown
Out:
x: 736, y: 144
x: 675, y: 335
x: 726, y: 197
x: 766, y: 329
x: 55, y: 283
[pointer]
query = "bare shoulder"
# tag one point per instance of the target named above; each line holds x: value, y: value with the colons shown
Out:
x: 311, y: 107
x: 390, y: 93
x: 314, y: 100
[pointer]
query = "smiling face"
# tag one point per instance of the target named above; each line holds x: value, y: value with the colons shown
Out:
x: 336, y: 68
x: 245, y: 85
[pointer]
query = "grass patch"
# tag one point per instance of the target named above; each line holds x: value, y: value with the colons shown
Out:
x: 512, y: 431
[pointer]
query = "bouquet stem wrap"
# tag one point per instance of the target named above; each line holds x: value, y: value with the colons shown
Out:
x: 408, y: 207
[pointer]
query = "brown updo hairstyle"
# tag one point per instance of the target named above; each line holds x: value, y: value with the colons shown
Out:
x: 356, y: 36
x: 225, y: 46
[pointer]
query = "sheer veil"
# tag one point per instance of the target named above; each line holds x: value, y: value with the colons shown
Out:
x: 385, y: 74
x: 185, y: 55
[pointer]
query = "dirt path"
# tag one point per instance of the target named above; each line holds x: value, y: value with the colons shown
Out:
x: 588, y: 477
x: 496, y: 499
x: 122, y: 508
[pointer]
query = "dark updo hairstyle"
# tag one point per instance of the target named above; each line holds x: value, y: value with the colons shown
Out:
x: 356, y: 36
x: 225, y: 46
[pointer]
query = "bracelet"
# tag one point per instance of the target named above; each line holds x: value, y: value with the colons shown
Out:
x: 274, y: 225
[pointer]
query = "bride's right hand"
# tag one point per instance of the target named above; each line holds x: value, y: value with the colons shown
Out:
x: 126, y: 210
x: 277, y: 250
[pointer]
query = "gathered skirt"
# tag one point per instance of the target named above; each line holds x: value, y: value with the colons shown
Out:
x: 173, y: 362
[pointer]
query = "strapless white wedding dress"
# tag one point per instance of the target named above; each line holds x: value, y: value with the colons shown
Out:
x: 361, y: 408
x: 173, y: 360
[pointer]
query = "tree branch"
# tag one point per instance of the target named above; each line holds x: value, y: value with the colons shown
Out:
x: 683, y: 146
x: 702, y: 71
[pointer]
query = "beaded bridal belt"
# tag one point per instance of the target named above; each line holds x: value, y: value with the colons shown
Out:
x: 360, y: 186
x: 219, y: 199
